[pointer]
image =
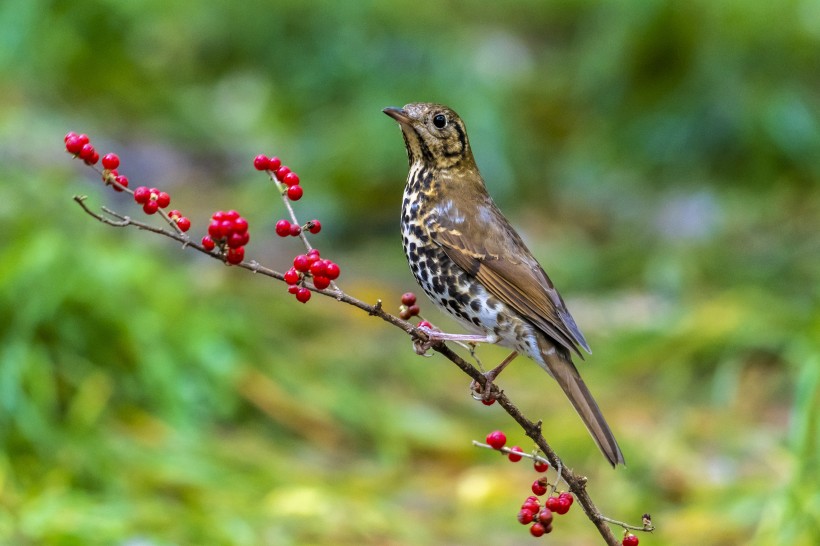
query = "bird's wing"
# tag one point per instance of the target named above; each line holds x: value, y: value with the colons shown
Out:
x: 485, y: 246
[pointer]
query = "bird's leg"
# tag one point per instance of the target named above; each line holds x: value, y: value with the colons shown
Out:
x: 475, y: 386
x: 434, y: 336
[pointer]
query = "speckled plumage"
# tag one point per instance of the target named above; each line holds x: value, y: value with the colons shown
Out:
x: 472, y: 263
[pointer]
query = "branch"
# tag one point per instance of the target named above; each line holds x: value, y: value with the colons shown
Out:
x: 575, y: 482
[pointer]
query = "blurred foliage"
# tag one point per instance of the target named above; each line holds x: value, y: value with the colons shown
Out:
x: 661, y: 158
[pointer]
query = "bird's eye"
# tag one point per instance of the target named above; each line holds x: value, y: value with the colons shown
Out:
x: 440, y: 121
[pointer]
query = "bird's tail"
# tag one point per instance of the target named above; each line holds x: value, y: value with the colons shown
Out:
x: 560, y: 366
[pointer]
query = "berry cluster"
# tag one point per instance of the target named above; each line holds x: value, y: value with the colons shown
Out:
x: 311, y: 265
x: 498, y: 440
x: 540, y: 516
x: 81, y: 147
x: 409, y: 308
x: 110, y: 176
x: 282, y: 173
x: 228, y: 231
x: 285, y: 228
x: 321, y: 272
x: 532, y: 511
x: 151, y: 199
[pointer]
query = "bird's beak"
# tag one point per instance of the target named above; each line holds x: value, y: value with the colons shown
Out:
x: 398, y: 114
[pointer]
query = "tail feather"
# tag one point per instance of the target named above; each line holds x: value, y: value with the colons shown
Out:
x: 560, y: 366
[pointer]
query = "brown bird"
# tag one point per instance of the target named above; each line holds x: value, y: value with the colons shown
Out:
x: 472, y: 263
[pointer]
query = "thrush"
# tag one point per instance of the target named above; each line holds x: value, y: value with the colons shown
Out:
x: 470, y: 261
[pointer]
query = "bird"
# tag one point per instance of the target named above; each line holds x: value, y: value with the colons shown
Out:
x: 473, y: 264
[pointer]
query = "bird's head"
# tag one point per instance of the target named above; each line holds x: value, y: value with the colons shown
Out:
x: 433, y: 135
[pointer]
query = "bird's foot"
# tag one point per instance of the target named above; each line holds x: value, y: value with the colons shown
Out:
x: 485, y: 393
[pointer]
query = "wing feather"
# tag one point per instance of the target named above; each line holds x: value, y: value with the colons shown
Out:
x: 494, y: 254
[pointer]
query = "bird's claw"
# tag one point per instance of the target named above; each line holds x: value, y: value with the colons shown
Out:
x: 485, y: 394
x: 422, y: 346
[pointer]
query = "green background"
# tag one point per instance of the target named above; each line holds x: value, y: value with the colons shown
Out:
x: 661, y: 159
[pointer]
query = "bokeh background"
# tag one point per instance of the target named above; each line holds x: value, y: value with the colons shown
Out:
x: 661, y: 159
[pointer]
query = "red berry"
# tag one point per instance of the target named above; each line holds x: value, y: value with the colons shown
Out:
x: 73, y: 144
x: 83, y: 139
x: 274, y: 163
x: 230, y: 215
x: 281, y: 173
x: 295, y: 193
x: 332, y: 270
x: 318, y: 267
x: 630, y: 540
x: 563, y: 505
x: 163, y: 199
x: 283, y: 228
x: 150, y: 207
x: 70, y: 134
x: 313, y: 256
x: 531, y: 505
x: 87, y: 151
x: 552, y: 503
x: 302, y: 295
x: 539, y: 487
x: 122, y: 180
x: 183, y: 223
x: 537, y: 530
x: 514, y: 457
x: 496, y: 439
x: 110, y: 161
x: 261, y: 162
x: 93, y: 159
x: 208, y: 243
x: 300, y: 263
x: 545, y: 516
x: 235, y: 255
x: 218, y: 216
x: 142, y: 195
x: 525, y: 517
x: 292, y: 289
x: 236, y: 240
x: 240, y: 225
x: 488, y: 401
x: 540, y: 466
x: 321, y: 282
x: 295, y: 230
x: 424, y: 324
x: 314, y: 226
x: 215, y: 230
x: 568, y: 496
x: 291, y: 179
x: 408, y: 298
x: 291, y: 276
